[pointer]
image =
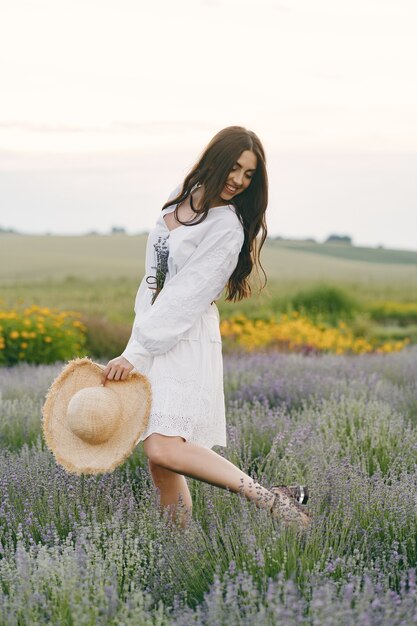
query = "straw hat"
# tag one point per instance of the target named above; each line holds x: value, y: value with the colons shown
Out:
x: 91, y: 428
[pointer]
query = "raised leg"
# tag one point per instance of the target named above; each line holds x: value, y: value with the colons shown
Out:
x: 189, y: 459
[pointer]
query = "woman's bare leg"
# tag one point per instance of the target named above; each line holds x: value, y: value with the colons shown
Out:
x: 189, y: 459
x: 173, y: 492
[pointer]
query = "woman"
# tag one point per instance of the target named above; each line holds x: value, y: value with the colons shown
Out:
x: 204, y: 239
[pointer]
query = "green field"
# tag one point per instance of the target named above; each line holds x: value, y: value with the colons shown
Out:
x: 99, y: 275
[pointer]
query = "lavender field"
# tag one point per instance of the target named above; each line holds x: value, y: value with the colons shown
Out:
x: 95, y: 551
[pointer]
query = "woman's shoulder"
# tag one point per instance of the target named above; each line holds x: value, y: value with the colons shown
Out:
x: 227, y: 216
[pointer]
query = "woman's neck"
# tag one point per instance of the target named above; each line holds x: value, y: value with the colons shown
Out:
x: 197, y: 196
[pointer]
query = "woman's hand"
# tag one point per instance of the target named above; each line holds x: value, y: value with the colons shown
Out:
x: 117, y: 369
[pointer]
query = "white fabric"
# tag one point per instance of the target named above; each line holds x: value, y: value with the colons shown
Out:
x: 176, y: 341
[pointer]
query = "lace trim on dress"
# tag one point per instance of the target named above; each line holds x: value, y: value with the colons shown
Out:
x: 176, y: 426
x: 183, y: 407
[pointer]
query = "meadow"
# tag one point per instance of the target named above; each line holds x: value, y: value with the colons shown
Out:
x: 95, y: 550
x: 87, y: 273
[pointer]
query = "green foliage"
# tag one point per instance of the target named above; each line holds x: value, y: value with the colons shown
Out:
x: 392, y: 332
x: 105, y: 339
x: 402, y: 313
x: 326, y: 301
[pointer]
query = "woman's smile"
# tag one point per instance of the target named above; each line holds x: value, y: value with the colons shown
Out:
x: 230, y: 189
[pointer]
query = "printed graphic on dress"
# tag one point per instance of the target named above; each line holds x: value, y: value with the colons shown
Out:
x: 161, y: 266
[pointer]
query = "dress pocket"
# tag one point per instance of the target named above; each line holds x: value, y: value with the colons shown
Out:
x: 212, y: 324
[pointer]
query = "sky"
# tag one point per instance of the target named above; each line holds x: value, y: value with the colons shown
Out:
x: 105, y: 105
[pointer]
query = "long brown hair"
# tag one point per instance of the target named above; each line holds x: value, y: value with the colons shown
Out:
x: 212, y: 170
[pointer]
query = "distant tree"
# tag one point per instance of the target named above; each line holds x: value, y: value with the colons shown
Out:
x: 118, y: 230
x: 8, y: 231
x: 339, y: 239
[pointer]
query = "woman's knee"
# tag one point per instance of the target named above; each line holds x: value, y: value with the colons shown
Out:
x: 160, y: 450
x: 160, y: 475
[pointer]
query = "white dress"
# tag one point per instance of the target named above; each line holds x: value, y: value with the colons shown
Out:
x: 176, y: 341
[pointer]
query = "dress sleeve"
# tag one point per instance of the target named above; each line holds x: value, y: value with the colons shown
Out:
x: 185, y: 296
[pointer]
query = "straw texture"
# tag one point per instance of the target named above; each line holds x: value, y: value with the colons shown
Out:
x: 92, y: 429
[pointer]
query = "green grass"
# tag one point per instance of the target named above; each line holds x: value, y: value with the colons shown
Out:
x: 353, y: 253
x: 94, y: 257
x: 26, y: 258
x: 99, y: 275
x: 112, y: 298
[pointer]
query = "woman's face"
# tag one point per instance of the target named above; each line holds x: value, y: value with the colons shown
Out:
x: 240, y: 176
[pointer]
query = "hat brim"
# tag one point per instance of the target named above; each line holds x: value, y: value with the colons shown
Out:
x: 76, y: 455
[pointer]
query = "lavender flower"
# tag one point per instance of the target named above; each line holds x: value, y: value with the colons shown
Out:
x: 95, y: 550
x: 161, y: 267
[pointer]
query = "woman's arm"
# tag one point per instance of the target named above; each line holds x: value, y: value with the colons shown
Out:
x: 181, y: 302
